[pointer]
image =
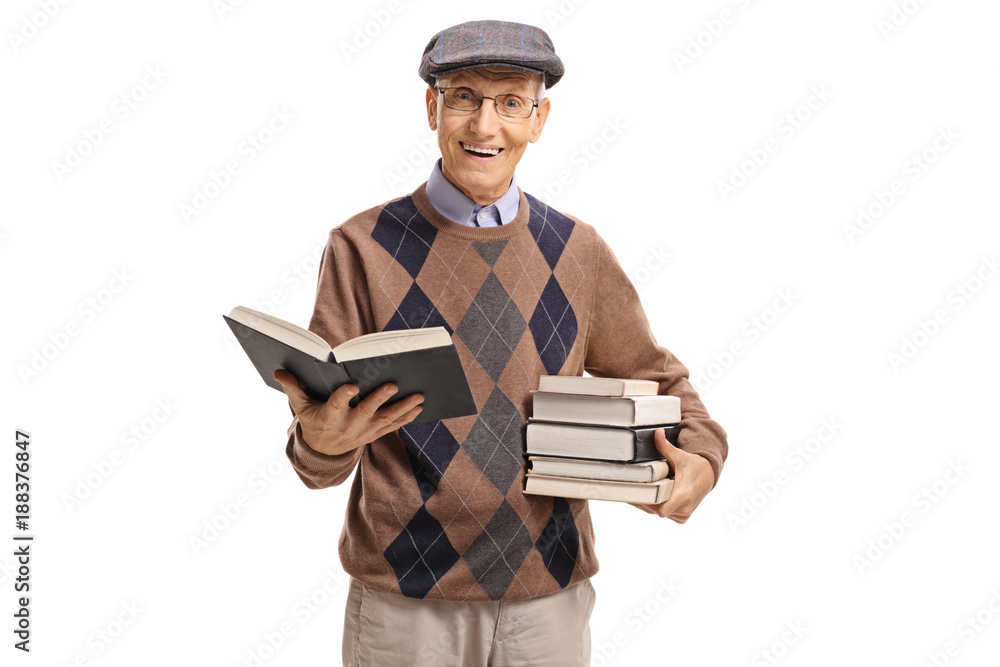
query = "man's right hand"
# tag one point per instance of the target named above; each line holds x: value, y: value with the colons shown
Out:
x: 333, y: 427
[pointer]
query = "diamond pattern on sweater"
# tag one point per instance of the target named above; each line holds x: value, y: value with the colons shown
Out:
x: 404, y: 234
x: 416, y: 312
x: 553, y: 326
x: 492, y: 326
x: 550, y: 229
x: 420, y: 555
x: 559, y: 542
x: 431, y: 448
x: 496, y: 442
x: 490, y: 250
x: 553, y: 323
x: 516, y: 304
x: 498, y: 552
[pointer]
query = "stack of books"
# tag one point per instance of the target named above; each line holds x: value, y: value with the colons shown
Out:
x: 592, y: 438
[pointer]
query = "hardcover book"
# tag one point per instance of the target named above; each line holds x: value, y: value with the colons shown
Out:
x: 595, y: 489
x: 648, y: 471
x: 615, y: 410
x: 594, y: 441
x: 597, y: 386
x: 416, y: 360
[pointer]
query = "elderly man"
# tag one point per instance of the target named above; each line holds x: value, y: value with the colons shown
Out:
x: 451, y: 563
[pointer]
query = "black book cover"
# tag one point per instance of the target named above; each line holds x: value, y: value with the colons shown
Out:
x: 435, y: 372
x: 643, y: 442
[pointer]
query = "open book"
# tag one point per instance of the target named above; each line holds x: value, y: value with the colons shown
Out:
x: 416, y: 360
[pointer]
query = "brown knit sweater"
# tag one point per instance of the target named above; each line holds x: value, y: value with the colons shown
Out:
x: 437, y: 509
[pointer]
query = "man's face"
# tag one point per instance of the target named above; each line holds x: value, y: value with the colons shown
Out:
x: 484, y: 178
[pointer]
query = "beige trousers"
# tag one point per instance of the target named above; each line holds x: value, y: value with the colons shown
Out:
x: 388, y: 630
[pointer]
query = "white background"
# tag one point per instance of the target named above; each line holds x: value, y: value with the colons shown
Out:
x: 842, y: 547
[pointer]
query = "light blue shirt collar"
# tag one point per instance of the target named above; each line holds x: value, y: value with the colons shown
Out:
x: 453, y: 204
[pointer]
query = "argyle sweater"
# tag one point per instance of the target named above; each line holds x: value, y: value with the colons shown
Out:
x: 437, y: 509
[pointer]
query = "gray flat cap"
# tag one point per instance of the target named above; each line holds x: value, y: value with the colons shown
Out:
x: 491, y: 44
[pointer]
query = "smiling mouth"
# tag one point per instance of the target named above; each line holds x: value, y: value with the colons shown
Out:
x: 481, y: 152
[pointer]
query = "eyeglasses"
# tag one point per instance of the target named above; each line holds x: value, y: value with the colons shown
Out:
x: 467, y: 99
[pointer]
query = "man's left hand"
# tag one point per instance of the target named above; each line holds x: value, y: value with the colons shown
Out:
x: 693, y: 479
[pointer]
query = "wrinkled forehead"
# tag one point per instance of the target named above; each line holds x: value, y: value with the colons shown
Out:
x: 512, y: 80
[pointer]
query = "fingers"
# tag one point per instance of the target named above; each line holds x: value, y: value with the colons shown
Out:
x: 370, y: 404
x: 676, y: 508
x: 645, y: 508
x: 389, y: 418
x: 373, y: 402
x: 691, y: 485
x: 398, y: 412
x: 341, y: 397
x: 297, y: 398
x: 402, y: 420
x: 663, y: 446
x: 338, y: 424
x: 372, y: 417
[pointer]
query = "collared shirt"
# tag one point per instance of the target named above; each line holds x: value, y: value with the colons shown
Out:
x: 453, y: 204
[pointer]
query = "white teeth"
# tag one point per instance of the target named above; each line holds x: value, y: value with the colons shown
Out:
x: 482, y: 151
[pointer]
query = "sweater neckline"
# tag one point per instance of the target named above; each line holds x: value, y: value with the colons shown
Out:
x: 452, y: 228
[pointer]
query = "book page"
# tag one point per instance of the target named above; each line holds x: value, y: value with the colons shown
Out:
x: 391, y: 342
x: 286, y: 332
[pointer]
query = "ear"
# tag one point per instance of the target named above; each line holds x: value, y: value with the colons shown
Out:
x: 538, y: 122
x: 432, y: 107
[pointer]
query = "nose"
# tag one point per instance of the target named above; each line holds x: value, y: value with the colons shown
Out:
x: 484, y: 120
